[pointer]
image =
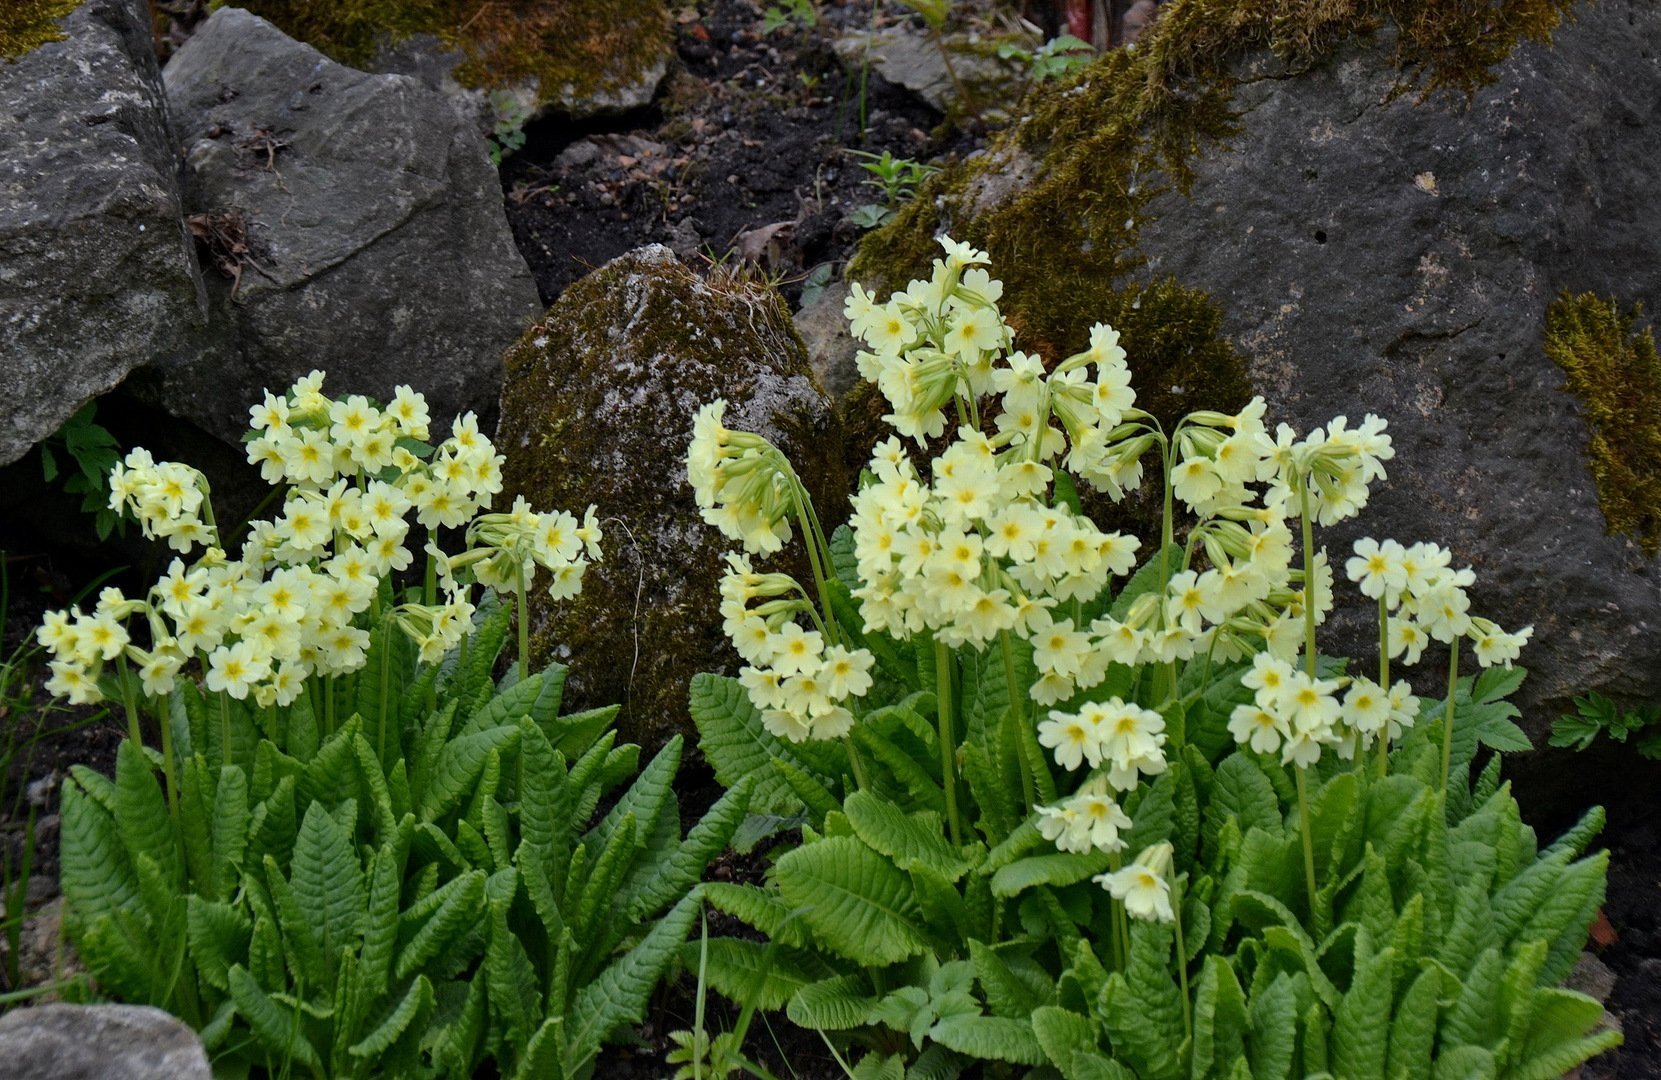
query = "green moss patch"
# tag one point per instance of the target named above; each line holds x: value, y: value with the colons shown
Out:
x: 1612, y: 367
x: 576, y: 46
x: 1056, y: 200
x: 25, y: 25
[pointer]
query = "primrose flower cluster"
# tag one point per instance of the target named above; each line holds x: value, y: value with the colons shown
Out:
x: 1423, y: 599
x: 290, y: 606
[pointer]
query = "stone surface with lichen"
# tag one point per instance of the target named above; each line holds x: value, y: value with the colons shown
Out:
x: 97, y: 274
x: 577, y: 57
x: 1382, y: 209
x: 597, y: 408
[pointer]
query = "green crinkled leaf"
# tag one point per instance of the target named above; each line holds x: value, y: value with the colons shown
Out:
x: 705, y: 841
x: 736, y: 744
x: 754, y: 972
x: 1221, y: 1022
x: 231, y: 818
x: 1240, y: 791
x: 857, y: 904
x: 416, y: 1003
x: 1056, y: 868
x: 1360, y: 1027
x: 617, y: 996
x: 910, y: 839
x: 1143, y: 1007
x: 332, y: 776
x: 218, y: 935
x: 644, y: 798
x: 832, y: 1004
x: 380, y: 928
x: 990, y: 1038
x: 1466, y: 1063
x: 760, y: 909
x: 1274, y: 1030
x: 141, y: 811
x: 457, y: 909
x: 1155, y: 818
x: 458, y: 765
x: 1412, y: 1032
x: 281, y: 1031
x: 1564, y: 917
x: 917, y: 778
x: 506, y: 708
x: 1062, y: 1033
x: 510, y: 977
x: 1559, y: 1035
x: 96, y: 875
x: 327, y: 880
x: 1006, y: 993
x: 1474, y: 1019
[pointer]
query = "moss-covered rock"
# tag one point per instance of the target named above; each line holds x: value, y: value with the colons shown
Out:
x: 1058, y: 199
x: 25, y: 25
x: 598, y: 408
x: 1614, y: 370
x: 1381, y: 199
x: 578, y: 56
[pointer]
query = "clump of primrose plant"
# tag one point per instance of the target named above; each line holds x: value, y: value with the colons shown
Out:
x: 1063, y: 758
x: 293, y: 612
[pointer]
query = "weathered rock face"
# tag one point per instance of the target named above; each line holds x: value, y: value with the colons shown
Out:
x: 579, y: 58
x: 597, y: 408
x: 1396, y: 254
x: 99, y: 1042
x: 97, y: 274
x: 1398, y: 257
x: 375, y: 243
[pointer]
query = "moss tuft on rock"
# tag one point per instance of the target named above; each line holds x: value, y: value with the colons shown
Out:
x: 566, y: 47
x: 26, y: 25
x: 1612, y: 367
x: 597, y: 408
x: 1057, y: 199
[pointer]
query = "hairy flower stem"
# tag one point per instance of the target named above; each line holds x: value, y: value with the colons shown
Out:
x: 386, y: 690
x: 225, y: 726
x: 1447, y: 723
x: 1018, y: 721
x: 818, y: 557
x: 855, y: 763
x: 1308, y: 846
x: 1182, y: 955
x: 128, y: 701
x: 1384, y: 684
x: 524, y: 623
x: 1308, y: 582
x: 1118, y: 928
x: 948, y: 741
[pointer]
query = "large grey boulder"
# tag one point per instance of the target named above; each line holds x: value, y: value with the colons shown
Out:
x: 97, y: 273
x: 99, y: 1042
x: 370, y: 218
x: 598, y: 408
x: 1398, y: 256
x: 1369, y: 250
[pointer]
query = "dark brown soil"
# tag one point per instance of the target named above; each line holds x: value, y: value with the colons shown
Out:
x: 746, y: 154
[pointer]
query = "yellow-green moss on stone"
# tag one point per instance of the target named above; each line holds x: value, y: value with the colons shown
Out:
x: 26, y: 25
x: 1056, y: 200
x: 577, y: 46
x: 597, y: 407
x: 1612, y: 367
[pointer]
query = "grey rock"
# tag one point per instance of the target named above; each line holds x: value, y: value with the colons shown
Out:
x: 99, y: 1042
x: 377, y: 245
x: 830, y: 348
x: 907, y: 56
x: 1397, y: 256
x: 97, y: 273
x: 597, y: 408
